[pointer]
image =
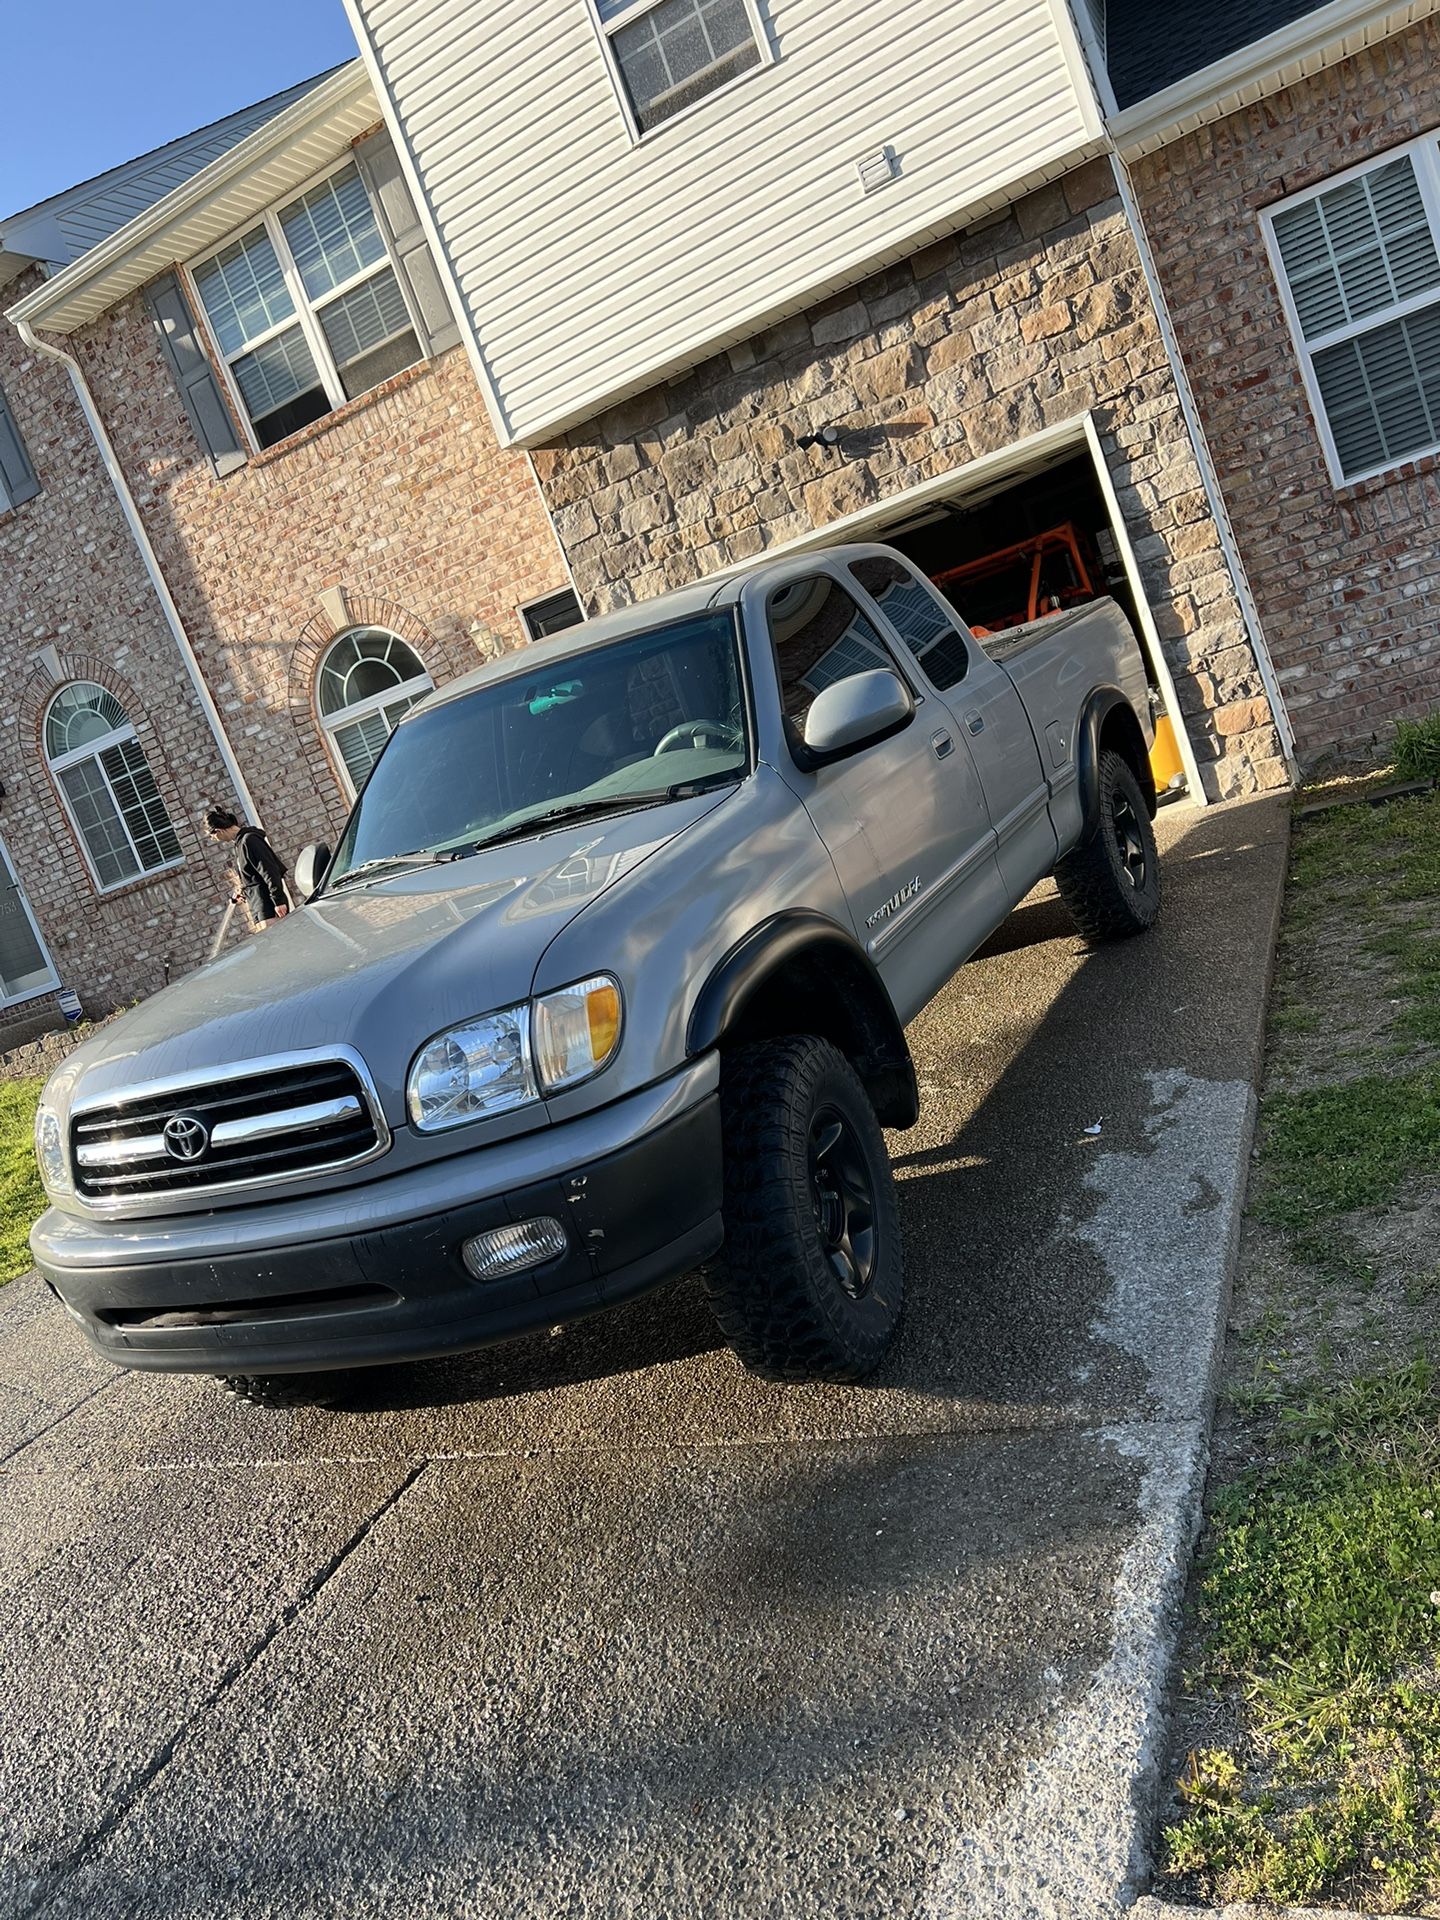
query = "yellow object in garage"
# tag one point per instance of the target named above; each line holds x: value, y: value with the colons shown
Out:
x: 1165, y: 761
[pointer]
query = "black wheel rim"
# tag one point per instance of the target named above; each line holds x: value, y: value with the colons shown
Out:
x: 844, y: 1200
x: 1129, y: 839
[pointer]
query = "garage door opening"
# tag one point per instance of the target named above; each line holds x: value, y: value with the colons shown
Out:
x: 1028, y: 547
x: 1023, y: 533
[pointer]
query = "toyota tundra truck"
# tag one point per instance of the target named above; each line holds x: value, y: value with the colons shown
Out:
x: 606, y: 981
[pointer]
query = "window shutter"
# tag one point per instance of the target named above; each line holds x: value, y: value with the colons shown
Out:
x: 17, y: 476
x: 400, y: 223
x: 195, y: 378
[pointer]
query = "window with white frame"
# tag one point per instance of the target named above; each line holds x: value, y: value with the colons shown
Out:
x: 668, y: 54
x: 366, y: 681
x: 1360, y: 274
x: 107, y: 784
x: 306, y: 308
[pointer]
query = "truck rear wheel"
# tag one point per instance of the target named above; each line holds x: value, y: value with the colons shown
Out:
x: 1111, y: 883
x: 811, y: 1280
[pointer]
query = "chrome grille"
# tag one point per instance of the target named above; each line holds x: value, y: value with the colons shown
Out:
x: 273, y: 1121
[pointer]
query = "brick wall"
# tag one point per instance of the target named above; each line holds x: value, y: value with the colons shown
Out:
x: 70, y: 579
x: 1347, y: 579
x: 1032, y: 318
x: 401, y: 498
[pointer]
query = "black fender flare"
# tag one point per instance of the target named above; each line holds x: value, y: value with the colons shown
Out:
x: 850, y: 998
x: 1107, y: 708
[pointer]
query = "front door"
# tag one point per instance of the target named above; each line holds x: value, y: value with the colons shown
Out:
x: 904, y: 819
x: 24, y: 964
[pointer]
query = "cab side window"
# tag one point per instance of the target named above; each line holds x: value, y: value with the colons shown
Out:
x: 820, y: 636
x: 918, y: 617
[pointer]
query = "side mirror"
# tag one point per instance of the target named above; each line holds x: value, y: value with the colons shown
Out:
x: 855, y: 713
x: 310, y: 866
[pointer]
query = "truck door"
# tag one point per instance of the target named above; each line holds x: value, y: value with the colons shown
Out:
x: 904, y: 819
x: 988, y: 712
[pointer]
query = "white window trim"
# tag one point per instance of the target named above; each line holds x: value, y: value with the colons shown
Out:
x: 92, y: 751
x: 306, y: 309
x: 416, y: 688
x: 605, y: 30
x: 1425, y: 153
x: 7, y: 865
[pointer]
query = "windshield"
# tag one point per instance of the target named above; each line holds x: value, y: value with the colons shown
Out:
x: 643, y: 719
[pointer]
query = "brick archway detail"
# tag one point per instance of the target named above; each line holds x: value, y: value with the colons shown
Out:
x: 316, y: 636
x: 35, y: 698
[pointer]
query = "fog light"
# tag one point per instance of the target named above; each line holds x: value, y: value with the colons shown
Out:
x: 489, y: 1256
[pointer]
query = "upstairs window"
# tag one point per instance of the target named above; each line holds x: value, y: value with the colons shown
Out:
x: 1359, y: 269
x: 366, y: 681
x: 306, y: 307
x: 669, y: 54
x: 107, y: 784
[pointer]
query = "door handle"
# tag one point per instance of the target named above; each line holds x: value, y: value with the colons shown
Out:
x: 942, y: 743
x: 975, y: 720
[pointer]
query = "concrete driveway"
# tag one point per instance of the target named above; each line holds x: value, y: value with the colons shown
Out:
x: 597, y: 1625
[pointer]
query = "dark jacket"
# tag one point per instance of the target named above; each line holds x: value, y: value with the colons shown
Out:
x: 260, y: 873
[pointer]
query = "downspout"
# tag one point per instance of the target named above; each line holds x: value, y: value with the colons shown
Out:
x: 148, y: 558
x: 1209, y: 479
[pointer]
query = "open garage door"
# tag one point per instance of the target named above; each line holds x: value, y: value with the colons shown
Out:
x: 1026, y: 532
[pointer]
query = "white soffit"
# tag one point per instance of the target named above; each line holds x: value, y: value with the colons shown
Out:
x: 1306, y: 46
x: 280, y: 155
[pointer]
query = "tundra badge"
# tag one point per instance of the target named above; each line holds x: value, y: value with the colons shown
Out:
x: 894, y: 903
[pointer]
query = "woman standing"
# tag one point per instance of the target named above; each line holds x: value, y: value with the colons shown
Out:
x: 259, y: 870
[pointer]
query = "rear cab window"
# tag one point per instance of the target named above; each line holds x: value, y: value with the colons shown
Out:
x: 918, y: 615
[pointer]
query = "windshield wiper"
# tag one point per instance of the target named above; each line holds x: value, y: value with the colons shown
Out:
x: 392, y: 862
x: 554, y: 817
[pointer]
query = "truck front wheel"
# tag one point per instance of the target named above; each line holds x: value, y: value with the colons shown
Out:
x: 811, y: 1281
x: 1111, y: 882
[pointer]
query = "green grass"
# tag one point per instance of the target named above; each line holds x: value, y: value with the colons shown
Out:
x: 1321, y: 1596
x: 1417, y: 748
x: 21, y: 1198
x: 1319, y: 1583
x: 1334, y: 1148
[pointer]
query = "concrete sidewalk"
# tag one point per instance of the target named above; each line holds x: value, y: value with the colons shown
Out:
x: 598, y: 1625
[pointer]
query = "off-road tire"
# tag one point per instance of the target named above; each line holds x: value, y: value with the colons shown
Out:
x: 775, y: 1289
x: 1111, y: 882
x: 282, y: 1389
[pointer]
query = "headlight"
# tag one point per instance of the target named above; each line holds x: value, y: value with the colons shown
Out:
x: 473, y: 1070
x: 50, y: 1151
x: 504, y: 1060
x: 576, y: 1032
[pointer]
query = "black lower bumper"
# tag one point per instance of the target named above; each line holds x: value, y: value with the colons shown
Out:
x: 636, y: 1218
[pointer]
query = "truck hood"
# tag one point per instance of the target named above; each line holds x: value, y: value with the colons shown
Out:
x: 379, y: 967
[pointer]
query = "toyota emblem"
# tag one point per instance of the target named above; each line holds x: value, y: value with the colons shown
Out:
x: 186, y: 1136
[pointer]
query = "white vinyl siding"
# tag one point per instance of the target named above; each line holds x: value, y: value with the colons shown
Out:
x: 306, y: 308
x: 1359, y: 271
x: 591, y: 265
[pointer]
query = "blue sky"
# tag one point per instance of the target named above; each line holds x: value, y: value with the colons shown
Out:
x: 94, y: 82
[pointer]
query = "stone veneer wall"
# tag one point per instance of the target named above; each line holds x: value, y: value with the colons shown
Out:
x: 1031, y: 318
x: 1347, y: 578
x: 402, y: 498
x: 70, y: 578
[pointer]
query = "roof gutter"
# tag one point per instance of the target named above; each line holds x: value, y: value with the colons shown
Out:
x: 351, y: 79
x: 1316, y: 40
x: 149, y: 558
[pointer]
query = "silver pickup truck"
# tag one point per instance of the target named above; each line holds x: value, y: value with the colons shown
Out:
x: 606, y: 980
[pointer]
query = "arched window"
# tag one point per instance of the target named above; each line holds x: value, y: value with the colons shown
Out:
x: 366, y: 681
x: 108, y: 786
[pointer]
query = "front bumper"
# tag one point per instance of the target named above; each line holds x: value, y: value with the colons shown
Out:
x: 287, y: 1300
